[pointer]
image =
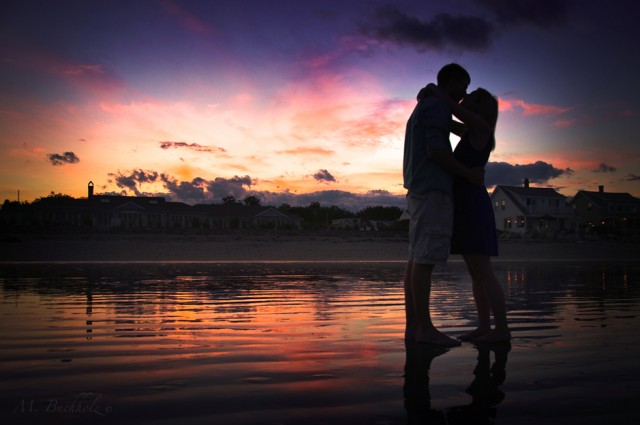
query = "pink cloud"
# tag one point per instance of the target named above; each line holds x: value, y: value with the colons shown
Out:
x: 312, y: 151
x: 531, y: 109
x: 96, y: 77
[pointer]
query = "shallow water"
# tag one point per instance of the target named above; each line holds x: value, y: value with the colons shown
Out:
x: 292, y: 343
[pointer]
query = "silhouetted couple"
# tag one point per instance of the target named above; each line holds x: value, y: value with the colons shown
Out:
x: 449, y: 207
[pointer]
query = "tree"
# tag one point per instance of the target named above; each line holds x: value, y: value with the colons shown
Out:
x: 252, y: 200
x: 380, y: 213
x: 52, y: 198
x: 230, y: 200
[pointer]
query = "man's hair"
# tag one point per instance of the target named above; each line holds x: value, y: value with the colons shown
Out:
x: 452, y: 71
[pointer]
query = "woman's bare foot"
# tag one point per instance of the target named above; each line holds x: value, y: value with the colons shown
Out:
x: 495, y: 336
x: 474, y: 334
x: 434, y: 336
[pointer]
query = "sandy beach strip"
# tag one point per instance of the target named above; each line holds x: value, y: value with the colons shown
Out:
x: 265, y: 248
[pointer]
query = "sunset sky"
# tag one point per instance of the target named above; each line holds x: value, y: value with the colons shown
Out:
x: 299, y: 101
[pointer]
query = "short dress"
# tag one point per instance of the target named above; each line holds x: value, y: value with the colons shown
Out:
x: 474, y: 227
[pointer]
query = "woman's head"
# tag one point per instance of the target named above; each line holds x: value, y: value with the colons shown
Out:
x: 484, y: 104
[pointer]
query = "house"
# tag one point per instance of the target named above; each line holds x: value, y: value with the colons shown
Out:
x: 235, y: 216
x: 350, y: 223
x: 613, y: 211
x: 527, y: 210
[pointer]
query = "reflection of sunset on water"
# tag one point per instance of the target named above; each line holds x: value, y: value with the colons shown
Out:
x: 237, y: 344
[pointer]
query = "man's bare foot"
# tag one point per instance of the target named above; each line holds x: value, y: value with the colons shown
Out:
x: 434, y: 336
x: 495, y: 336
x: 474, y: 334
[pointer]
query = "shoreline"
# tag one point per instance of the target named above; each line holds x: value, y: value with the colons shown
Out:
x: 279, y: 248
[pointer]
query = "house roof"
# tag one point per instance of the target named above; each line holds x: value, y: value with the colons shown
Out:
x: 603, y: 198
x: 537, y: 192
x: 511, y: 195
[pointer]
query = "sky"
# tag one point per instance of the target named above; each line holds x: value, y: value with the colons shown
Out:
x: 298, y: 101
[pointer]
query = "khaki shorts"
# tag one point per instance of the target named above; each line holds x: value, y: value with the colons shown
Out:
x: 430, y: 227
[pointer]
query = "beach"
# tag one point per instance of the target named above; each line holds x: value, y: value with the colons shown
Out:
x: 275, y: 247
x: 289, y: 329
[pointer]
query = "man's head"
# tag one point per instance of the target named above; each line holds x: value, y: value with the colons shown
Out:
x: 454, y: 80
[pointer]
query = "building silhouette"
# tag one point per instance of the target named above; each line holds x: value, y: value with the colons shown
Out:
x: 106, y: 212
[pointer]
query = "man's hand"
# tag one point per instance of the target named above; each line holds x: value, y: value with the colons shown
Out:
x: 476, y: 176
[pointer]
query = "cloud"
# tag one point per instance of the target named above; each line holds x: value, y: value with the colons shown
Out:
x: 444, y: 30
x: 65, y: 158
x: 190, y: 192
x: 134, y: 179
x: 632, y: 177
x: 192, y: 146
x: 502, y: 173
x: 540, y: 13
x: 195, y: 191
x: 532, y: 109
x: 235, y: 186
x: 93, y: 76
x: 324, y: 175
x: 309, y: 151
x: 604, y: 168
x: 203, y: 191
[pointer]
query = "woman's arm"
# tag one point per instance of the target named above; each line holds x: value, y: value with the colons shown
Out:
x: 458, y: 128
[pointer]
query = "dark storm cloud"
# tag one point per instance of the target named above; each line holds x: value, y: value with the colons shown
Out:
x: 235, y: 186
x: 502, y: 173
x: 604, y: 168
x: 189, y: 192
x: 441, y: 31
x: 192, y: 146
x: 324, y: 175
x: 65, y: 158
x: 134, y: 179
x: 541, y: 13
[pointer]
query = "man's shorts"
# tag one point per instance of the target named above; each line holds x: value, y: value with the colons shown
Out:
x: 430, y: 227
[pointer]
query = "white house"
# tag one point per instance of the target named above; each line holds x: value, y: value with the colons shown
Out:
x: 531, y: 209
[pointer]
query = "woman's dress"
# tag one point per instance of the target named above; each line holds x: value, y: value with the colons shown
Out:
x: 474, y: 227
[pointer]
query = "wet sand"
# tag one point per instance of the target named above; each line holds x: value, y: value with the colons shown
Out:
x: 278, y: 248
x: 311, y: 343
x: 243, y: 330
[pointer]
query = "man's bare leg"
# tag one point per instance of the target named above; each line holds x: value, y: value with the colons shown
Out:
x: 420, y: 285
x: 410, y: 324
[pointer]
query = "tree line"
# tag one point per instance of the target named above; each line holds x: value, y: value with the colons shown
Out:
x: 314, y: 215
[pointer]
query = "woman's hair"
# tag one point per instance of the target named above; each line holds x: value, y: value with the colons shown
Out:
x: 486, y: 105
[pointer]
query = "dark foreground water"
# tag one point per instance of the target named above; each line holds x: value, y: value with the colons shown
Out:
x: 300, y: 343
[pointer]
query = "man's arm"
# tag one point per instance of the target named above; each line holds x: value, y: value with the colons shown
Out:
x: 446, y: 160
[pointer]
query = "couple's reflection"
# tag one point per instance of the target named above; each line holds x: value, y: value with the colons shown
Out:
x: 484, y: 389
